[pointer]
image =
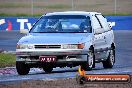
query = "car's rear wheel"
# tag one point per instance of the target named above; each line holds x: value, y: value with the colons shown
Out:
x: 91, y: 61
x: 110, y: 60
x: 48, y: 69
x: 22, y: 68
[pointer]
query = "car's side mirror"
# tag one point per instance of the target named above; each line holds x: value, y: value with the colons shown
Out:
x: 110, y: 24
x: 98, y: 31
x: 24, y: 31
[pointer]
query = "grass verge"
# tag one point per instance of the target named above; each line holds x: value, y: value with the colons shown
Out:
x: 57, y: 6
x: 14, y: 5
x: 38, y: 15
x: 7, y: 60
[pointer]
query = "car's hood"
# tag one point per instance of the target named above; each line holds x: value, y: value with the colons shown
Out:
x: 54, y: 38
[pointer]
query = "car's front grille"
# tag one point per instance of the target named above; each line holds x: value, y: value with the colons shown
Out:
x: 47, y: 46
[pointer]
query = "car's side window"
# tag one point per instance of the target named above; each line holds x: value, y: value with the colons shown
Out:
x: 103, y: 22
x: 96, y: 24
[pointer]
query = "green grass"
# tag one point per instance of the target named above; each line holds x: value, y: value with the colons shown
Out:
x: 7, y: 60
x: 92, y: 5
x: 56, y: 6
x: 14, y: 5
x: 38, y: 15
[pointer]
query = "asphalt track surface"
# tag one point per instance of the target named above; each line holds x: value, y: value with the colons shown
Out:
x: 123, y: 65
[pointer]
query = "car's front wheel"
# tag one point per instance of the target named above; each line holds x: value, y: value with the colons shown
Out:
x: 22, y: 68
x: 110, y: 60
x: 48, y: 69
x: 90, y: 62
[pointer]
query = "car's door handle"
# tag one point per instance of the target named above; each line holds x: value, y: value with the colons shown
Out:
x: 104, y: 37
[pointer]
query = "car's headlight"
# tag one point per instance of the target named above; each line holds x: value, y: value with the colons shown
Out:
x: 24, y: 46
x: 30, y: 46
x: 73, y: 46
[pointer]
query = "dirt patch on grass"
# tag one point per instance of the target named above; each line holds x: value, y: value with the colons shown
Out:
x: 62, y: 83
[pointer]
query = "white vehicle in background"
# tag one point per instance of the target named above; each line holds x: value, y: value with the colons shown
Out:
x: 70, y: 38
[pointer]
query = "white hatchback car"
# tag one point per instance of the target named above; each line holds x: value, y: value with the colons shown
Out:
x: 68, y: 38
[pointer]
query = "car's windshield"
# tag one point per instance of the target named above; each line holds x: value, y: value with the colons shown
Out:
x: 62, y: 24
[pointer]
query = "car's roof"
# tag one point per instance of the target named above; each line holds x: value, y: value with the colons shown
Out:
x: 72, y: 13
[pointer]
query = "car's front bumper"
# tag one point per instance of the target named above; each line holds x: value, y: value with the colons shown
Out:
x: 68, y: 55
x: 38, y: 52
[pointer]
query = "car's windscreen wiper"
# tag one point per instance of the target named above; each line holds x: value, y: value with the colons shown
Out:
x: 58, y: 32
x: 44, y: 32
